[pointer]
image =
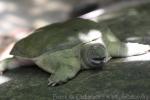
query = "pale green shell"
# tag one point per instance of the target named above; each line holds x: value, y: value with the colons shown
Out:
x: 53, y: 37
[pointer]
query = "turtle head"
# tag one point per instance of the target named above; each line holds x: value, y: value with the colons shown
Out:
x: 93, y: 56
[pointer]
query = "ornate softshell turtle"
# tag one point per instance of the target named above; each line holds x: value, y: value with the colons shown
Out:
x: 63, y: 49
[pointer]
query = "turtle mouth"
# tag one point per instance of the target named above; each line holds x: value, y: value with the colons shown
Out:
x: 97, y: 61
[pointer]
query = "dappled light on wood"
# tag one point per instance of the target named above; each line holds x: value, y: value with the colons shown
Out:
x: 136, y: 48
x: 4, y: 79
x: 94, y: 14
x: 92, y: 34
x: 144, y: 57
x: 133, y: 48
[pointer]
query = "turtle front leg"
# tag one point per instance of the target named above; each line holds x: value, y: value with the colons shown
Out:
x: 68, y: 66
x: 63, y: 74
x: 63, y: 65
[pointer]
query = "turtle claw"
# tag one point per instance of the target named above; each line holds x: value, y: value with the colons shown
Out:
x: 49, y: 83
x: 52, y: 83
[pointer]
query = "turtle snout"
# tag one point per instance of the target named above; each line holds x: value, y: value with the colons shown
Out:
x: 94, y: 55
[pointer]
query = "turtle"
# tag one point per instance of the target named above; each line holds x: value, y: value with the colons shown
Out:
x: 65, y: 48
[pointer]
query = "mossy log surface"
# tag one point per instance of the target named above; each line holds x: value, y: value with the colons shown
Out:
x: 117, y: 81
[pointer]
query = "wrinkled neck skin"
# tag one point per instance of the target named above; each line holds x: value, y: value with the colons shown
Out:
x: 93, y: 55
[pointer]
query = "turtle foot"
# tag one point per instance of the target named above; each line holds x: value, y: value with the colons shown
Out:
x: 62, y: 76
x: 56, y: 80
